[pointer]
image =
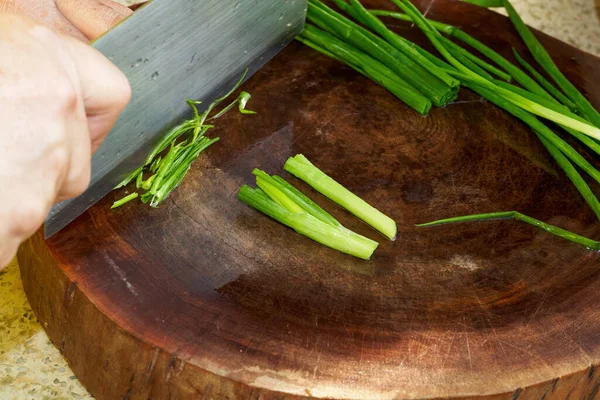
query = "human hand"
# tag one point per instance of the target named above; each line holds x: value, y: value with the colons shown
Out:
x: 82, y: 19
x: 58, y: 99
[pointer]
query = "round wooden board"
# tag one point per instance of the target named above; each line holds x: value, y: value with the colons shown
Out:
x: 207, y: 298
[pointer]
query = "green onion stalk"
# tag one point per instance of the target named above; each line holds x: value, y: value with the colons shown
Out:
x: 287, y: 205
x: 371, y: 67
x: 545, y: 61
x: 353, y: 34
x: 303, y: 169
x: 465, y: 73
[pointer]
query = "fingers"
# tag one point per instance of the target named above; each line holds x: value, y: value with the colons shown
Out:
x: 93, y: 17
x: 43, y: 12
x: 106, y: 90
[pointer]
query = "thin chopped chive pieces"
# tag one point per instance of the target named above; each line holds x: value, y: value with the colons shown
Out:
x: 558, y: 95
x: 148, y: 183
x: 486, y: 3
x: 241, y: 102
x: 129, y: 178
x: 363, y: 40
x: 562, y: 233
x: 517, y: 74
x: 361, y: 14
x: 139, y: 181
x: 373, y: 68
x: 545, y: 61
x: 185, y: 142
x: 297, y: 197
x: 303, y: 169
x: 336, y: 237
x: 124, y: 200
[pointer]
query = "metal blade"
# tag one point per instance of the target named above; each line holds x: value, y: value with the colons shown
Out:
x: 171, y: 51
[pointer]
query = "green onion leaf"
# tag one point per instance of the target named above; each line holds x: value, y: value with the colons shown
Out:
x: 562, y: 233
x: 543, y: 58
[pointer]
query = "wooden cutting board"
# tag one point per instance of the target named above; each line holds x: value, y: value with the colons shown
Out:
x: 205, y: 298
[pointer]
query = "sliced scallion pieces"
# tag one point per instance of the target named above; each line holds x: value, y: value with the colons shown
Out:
x: 274, y: 199
x: 124, y: 200
x: 168, y: 171
x: 562, y: 233
x: 303, y: 169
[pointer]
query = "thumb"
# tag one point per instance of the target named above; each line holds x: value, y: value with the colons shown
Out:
x: 93, y: 17
x: 105, y: 89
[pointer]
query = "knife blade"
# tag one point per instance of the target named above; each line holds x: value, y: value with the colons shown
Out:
x: 172, y: 51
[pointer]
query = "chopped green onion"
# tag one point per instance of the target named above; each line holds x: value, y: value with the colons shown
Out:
x: 303, y: 169
x: 124, y: 200
x: 562, y: 233
x: 242, y: 100
x: 170, y: 170
x: 148, y: 183
x: 336, y: 237
x: 129, y: 178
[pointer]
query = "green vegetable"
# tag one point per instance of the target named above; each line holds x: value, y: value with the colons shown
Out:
x: 296, y: 196
x: 361, y: 14
x: 168, y: 171
x: 373, y: 68
x: 303, y: 169
x: 242, y: 100
x: 543, y: 131
x: 590, y: 244
x: 466, y: 74
x: 124, y: 200
x: 486, y: 3
x: 420, y: 79
x: 543, y: 58
x: 558, y: 95
x: 335, y: 236
x: 518, y: 75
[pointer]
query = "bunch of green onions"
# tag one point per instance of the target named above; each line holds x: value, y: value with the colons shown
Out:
x: 379, y: 53
x: 281, y: 201
x: 159, y: 176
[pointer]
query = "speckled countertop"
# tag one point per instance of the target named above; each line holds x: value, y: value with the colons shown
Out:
x: 32, y: 368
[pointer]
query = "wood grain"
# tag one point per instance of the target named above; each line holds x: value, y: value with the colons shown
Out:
x: 206, y: 298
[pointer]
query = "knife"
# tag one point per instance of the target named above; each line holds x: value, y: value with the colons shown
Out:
x: 172, y: 51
